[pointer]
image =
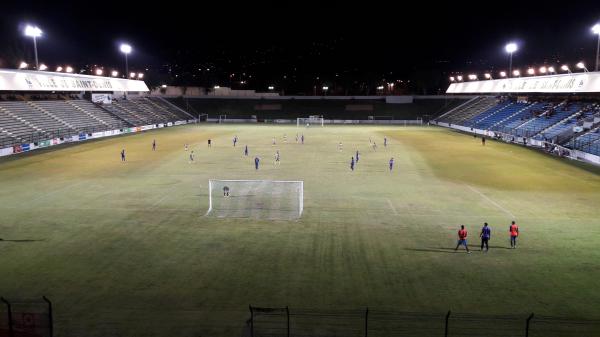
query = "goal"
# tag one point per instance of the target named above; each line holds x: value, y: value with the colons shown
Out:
x: 312, y: 120
x: 258, y: 199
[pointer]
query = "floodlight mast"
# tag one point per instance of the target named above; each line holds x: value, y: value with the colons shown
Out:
x: 126, y: 49
x: 34, y: 32
x: 510, y: 49
x: 596, y: 30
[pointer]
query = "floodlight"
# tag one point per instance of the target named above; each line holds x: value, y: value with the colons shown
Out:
x: 125, y: 48
x: 511, y: 48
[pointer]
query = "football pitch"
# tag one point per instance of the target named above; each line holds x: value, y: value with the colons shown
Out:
x: 125, y: 249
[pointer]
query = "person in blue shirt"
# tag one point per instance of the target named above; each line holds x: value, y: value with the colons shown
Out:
x: 302, y: 138
x: 391, y: 164
x: 256, y: 162
x: 357, y: 156
x: 384, y: 141
x: 234, y: 140
x: 352, y: 163
x: 246, y: 151
x: 123, y: 155
x: 485, y: 235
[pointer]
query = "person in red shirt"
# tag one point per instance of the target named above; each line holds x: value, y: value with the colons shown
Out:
x: 462, y: 239
x: 514, y: 233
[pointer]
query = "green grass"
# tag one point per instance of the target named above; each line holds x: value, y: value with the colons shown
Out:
x: 124, y: 249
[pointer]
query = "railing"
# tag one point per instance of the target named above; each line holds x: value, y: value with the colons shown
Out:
x: 369, y: 322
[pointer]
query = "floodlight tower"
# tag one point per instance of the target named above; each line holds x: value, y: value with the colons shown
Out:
x: 125, y: 49
x: 34, y: 32
x: 510, y: 49
x: 596, y: 30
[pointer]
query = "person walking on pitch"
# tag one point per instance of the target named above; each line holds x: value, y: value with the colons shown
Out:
x: 514, y: 233
x: 485, y: 235
x: 462, y: 239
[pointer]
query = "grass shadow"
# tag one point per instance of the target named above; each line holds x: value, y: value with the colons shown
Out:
x: 24, y: 240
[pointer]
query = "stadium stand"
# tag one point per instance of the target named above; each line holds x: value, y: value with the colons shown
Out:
x: 29, y: 121
x: 548, y: 120
x: 469, y: 110
x: 292, y: 108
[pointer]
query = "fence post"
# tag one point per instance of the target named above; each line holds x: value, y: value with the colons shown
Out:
x: 367, y: 322
x: 527, y: 325
x: 11, y: 333
x: 50, y: 316
x: 287, y: 312
x: 447, y: 319
x: 251, y: 321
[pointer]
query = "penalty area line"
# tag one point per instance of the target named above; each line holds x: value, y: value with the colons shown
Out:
x: 491, y: 201
x: 392, y: 206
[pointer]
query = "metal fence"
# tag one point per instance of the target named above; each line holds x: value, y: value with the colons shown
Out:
x: 288, y: 322
x: 26, y: 318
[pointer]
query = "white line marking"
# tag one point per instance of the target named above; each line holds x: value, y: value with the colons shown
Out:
x: 60, y: 190
x: 491, y: 201
x: 392, y: 207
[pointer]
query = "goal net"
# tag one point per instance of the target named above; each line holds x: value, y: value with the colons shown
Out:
x: 312, y: 120
x: 259, y: 199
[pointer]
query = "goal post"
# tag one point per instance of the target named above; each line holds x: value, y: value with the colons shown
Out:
x: 259, y: 199
x: 312, y: 120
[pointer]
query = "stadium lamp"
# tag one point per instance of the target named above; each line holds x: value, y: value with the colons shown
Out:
x: 551, y: 70
x: 487, y: 76
x: 59, y: 69
x: 43, y: 67
x: 114, y: 73
x: 459, y: 78
x: 581, y: 65
x: 543, y: 70
x: 23, y: 65
x: 69, y: 69
x: 99, y: 72
x: 596, y: 30
x: 140, y: 75
x: 530, y: 71
x: 510, y: 49
x: 271, y: 87
x: 380, y: 87
x: 565, y: 67
x: 163, y: 86
x: 217, y: 86
x: 452, y: 79
x: 34, y: 32
x: 132, y: 75
x: 473, y: 77
x: 516, y: 73
x: 503, y: 74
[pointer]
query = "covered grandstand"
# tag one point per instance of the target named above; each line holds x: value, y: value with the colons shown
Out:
x: 557, y: 113
x: 40, y: 109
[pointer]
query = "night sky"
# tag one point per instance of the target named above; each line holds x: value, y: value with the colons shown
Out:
x: 351, y: 47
